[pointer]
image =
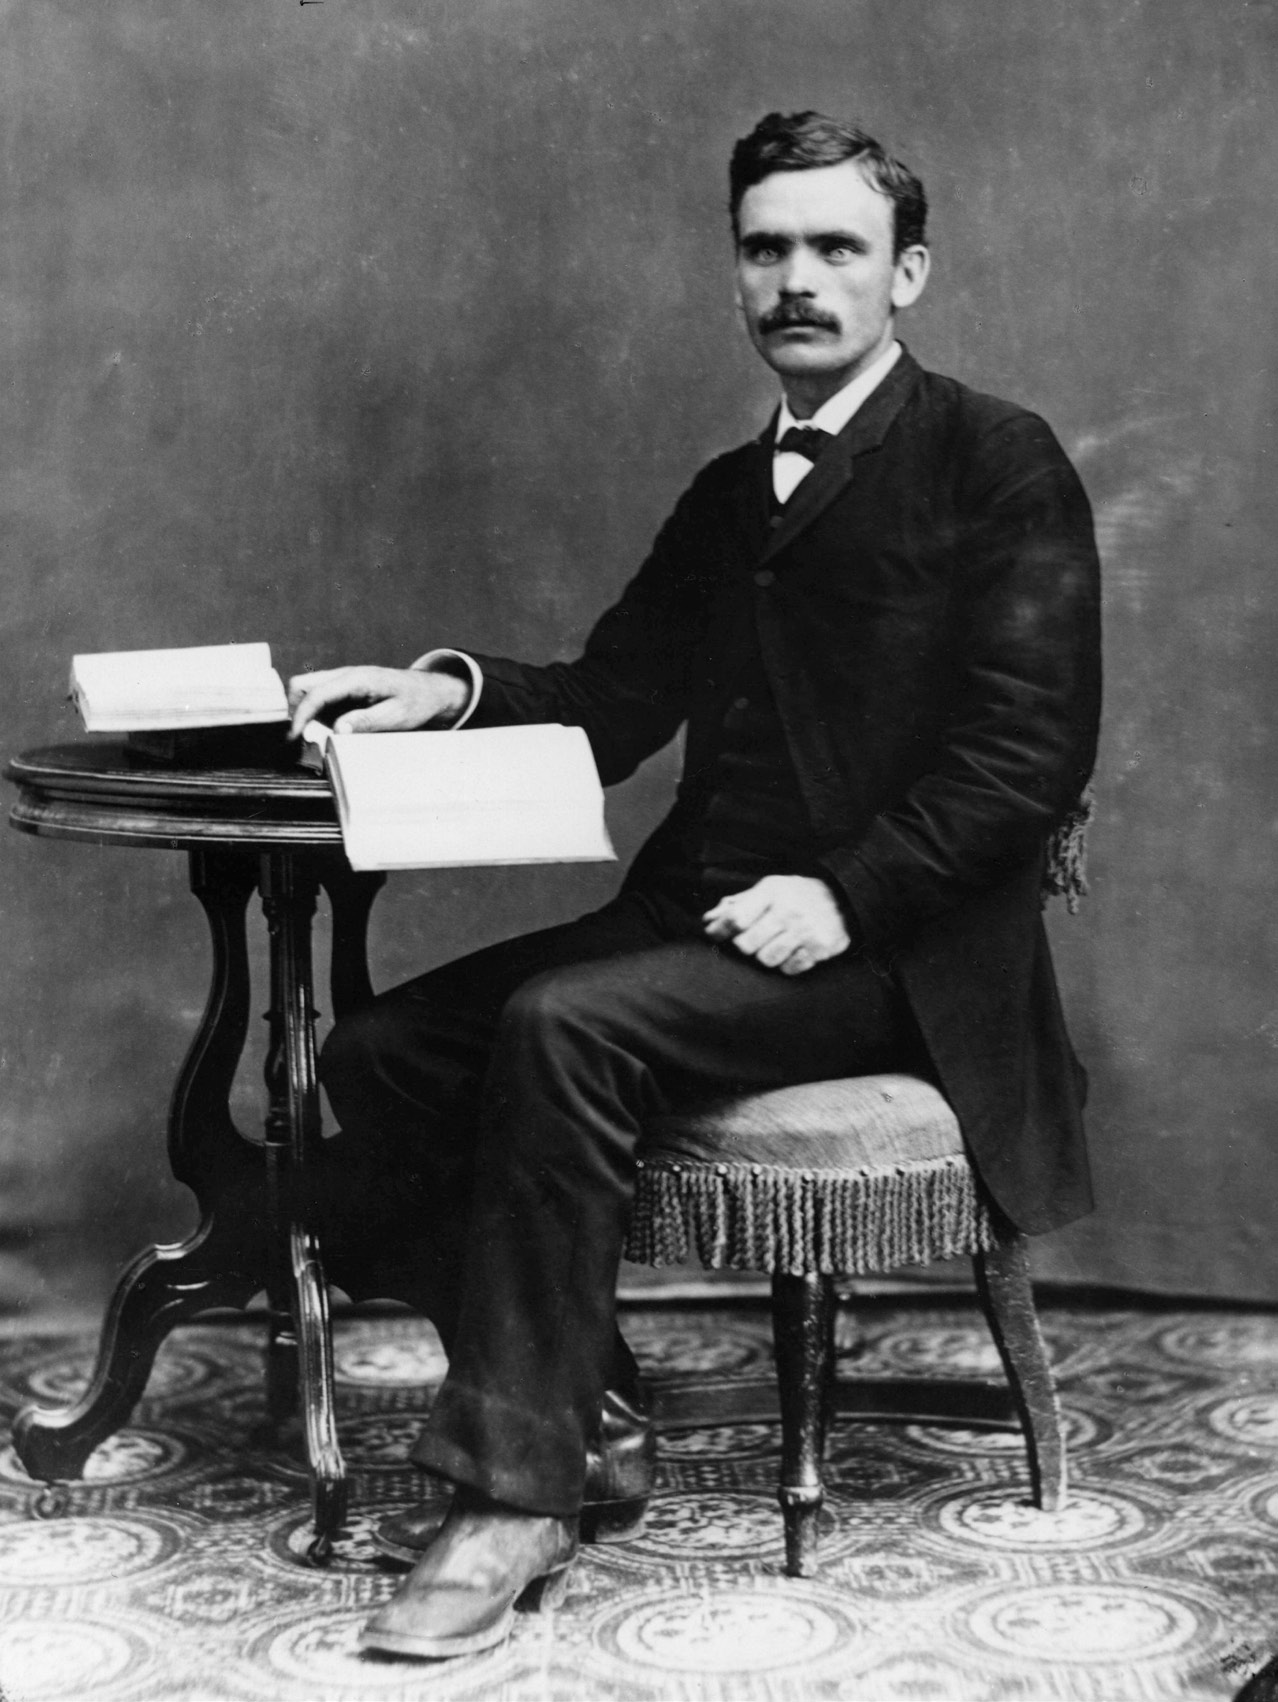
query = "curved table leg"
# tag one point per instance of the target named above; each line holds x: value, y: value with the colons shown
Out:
x: 351, y: 897
x: 289, y: 885
x: 162, y: 1287
x: 224, y: 1262
x: 315, y: 1370
x: 281, y: 1335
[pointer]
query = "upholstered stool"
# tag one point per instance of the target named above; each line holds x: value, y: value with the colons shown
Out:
x: 840, y: 1178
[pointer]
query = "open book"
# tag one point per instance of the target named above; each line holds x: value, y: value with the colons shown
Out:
x: 209, y: 685
x: 429, y: 800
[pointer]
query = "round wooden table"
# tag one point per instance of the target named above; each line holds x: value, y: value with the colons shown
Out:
x: 274, y: 831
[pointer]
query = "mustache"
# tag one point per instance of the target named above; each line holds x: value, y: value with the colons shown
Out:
x: 790, y: 313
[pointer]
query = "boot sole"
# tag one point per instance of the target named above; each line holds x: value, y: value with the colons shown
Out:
x: 613, y: 1521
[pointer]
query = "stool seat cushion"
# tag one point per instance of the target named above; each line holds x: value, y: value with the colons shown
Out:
x: 831, y: 1178
x: 825, y: 1125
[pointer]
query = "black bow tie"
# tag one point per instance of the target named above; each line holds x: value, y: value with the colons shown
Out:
x: 809, y: 441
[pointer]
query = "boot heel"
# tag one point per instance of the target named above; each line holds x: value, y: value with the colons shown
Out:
x: 613, y: 1521
x: 545, y: 1593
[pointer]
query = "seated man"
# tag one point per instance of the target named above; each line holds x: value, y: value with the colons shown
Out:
x: 878, y: 623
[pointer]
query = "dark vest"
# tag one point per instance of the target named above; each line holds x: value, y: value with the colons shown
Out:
x: 740, y: 814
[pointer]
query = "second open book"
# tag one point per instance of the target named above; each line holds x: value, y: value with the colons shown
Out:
x: 525, y: 794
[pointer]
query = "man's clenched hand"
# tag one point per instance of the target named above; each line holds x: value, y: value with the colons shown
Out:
x: 399, y: 699
x: 787, y: 922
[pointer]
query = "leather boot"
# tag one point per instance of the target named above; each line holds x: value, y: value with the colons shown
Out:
x: 621, y: 1468
x: 461, y: 1596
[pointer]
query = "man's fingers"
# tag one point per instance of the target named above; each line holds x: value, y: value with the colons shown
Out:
x: 301, y: 685
x: 323, y: 686
x: 720, y: 920
x: 309, y: 706
x: 386, y: 716
x: 308, y: 694
x: 786, y: 922
x: 311, y: 694
x: 800, y: 961
x: 792, y: 951
x: 769, y: 931
x: 778, y: 952
x: 732, y: 915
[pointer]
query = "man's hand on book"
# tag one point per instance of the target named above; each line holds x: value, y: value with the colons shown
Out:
x: 785, y: 922
x: 398, y: 699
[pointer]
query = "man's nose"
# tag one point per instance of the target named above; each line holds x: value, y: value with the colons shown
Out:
x: 798, y: 276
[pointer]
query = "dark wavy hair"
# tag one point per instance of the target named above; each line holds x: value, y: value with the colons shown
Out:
x: 800, y: 141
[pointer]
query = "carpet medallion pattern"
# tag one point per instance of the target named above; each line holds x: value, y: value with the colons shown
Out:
x: 178, y: 1571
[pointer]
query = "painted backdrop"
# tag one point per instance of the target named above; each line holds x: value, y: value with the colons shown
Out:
x: 367, y: 324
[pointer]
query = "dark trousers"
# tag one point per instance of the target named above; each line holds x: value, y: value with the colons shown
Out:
x: 510, y: 1089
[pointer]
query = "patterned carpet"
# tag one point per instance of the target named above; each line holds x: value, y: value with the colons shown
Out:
x: 176, y: 1573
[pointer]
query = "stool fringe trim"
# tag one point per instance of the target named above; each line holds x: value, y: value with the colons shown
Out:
x: 763, y: 1217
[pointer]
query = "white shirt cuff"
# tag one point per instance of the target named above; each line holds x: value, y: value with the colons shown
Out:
x: 429, y: 663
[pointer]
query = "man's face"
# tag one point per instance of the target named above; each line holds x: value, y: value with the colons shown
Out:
x: 817, y: 278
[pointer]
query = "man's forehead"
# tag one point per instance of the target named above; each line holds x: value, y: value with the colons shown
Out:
x: 823, y: 198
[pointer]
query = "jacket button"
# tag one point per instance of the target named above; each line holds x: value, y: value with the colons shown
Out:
x: 741, y: 703
x: 764, y: 576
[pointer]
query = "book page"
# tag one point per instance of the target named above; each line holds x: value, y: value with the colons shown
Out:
x: 209, y: 685
x: 492, y: 795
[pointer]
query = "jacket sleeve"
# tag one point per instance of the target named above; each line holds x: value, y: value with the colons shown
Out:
x: 1017, y: 748
x: 631, y: 687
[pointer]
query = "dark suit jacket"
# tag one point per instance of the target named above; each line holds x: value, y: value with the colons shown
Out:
x: 927, y: 611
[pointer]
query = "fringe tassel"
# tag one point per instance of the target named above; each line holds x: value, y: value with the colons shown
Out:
x: 764, y: 1217
x: 1066, y: 873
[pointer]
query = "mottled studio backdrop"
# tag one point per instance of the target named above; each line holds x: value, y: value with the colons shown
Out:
x: 371, y: 324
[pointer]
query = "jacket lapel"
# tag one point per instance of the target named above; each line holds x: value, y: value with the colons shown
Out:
x: 754, y: 505
x: 834, y: 471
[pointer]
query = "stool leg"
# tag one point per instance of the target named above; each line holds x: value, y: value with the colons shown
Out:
x: 1007, y: 1299
x: 803, y: 1335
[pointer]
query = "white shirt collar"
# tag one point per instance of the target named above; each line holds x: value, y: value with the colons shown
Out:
x: 833, y: 415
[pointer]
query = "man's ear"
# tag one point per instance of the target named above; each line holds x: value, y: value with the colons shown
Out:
x: 910, y: 275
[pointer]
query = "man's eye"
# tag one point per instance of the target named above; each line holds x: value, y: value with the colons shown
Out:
x: 764, y: 254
